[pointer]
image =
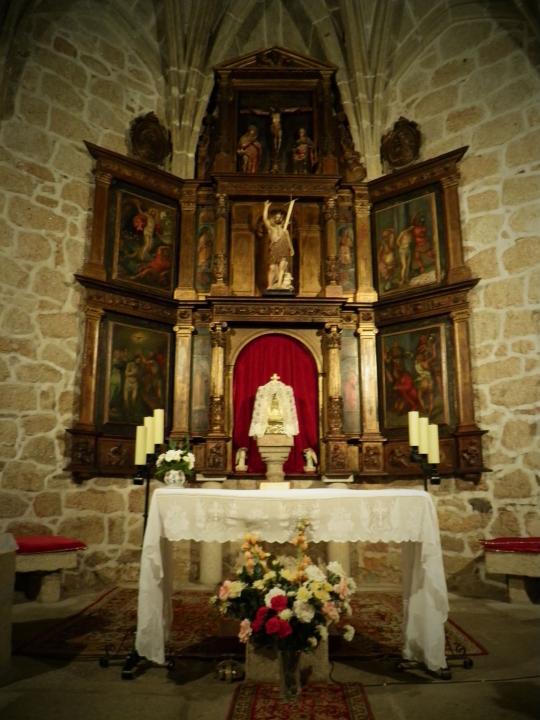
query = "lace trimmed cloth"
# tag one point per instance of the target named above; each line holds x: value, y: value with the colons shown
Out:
x: 208, y: 515
x: 263, y: 398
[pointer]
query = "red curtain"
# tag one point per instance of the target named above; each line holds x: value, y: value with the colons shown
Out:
x: 295, y: 365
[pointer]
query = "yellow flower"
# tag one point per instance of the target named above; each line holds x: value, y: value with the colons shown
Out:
x: 289, y: 575
x: 303, y: 594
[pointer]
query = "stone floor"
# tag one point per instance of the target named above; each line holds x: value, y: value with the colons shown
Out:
x: 504, y: 685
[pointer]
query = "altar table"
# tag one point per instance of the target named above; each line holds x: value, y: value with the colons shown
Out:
x: 208, y: 515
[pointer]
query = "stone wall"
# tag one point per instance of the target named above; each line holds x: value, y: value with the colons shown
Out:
x: 75, y: 76
x: 80, y: 75
x: 476, y: 85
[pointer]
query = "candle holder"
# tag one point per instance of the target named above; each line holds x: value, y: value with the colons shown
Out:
x: 429, y: 470
x: 142, y: 477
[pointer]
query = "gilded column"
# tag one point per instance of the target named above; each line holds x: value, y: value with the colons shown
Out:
x: 95, y: 264
x: 457, y: 270
x: 87, y: 404
x: 365, y: 292
x: 217, y: 378
x: 337, y: 461
x: 468, y: 434
x: 372, y: 440
x: 220, y: 284
x: 186, y: 259
x: 332, y: 289
x: 182, y: 375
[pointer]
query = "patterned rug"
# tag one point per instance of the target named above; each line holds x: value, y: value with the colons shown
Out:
x: 107, y: 628
x: 319, y: 701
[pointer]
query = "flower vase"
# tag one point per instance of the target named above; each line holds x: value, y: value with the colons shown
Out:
x: 289, y: 674
x: 174, y: 477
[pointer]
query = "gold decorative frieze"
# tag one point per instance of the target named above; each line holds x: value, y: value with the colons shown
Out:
x: 276, y: 312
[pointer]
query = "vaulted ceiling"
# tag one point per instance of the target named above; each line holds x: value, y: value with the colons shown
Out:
x: 372, y: 42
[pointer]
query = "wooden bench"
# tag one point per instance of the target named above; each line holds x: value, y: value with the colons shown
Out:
x: 517, y: 558
x: 44, y: 556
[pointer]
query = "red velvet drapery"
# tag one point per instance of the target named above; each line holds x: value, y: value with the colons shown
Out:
x: 256, y: 363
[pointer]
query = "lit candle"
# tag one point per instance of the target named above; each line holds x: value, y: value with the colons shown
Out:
x: 149, y: 425
x: 140, y: 445
x: 159, y: 426
x: 433, y: 444
x: 413, y: 428
x: 423, y: 436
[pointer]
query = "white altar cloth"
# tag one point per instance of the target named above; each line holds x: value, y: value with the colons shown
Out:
x: 396, y: 515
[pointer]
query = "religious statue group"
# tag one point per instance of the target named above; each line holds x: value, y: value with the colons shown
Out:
x: 302, y: 158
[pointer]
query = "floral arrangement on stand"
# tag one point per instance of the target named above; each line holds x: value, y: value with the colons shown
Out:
x: 286, y: 603
x: 175, y: 464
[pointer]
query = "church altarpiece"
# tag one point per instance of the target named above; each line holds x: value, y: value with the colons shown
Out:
x: 278, y: 235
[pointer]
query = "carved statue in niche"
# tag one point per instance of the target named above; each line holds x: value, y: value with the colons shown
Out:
x: 304, y: 156
x: 354, y: 170
x: 280, y: 247
x: 249, y: 150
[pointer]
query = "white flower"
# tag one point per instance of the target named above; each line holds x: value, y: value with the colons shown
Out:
x: 172, y: 455
x: 351, y: 585
x: 303, y: 611
x: 323, y: 631
x: 315, y: 573
x: 272, y: 593
x: 335, y: 568
x: 313, y: 641
x: 347, y: 607
x: 160, y: 459
x: 190, y: 458
x: 348, y: 632
x: 286, y: 614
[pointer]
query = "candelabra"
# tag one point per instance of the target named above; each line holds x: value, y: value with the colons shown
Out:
x: 429, y: 470
x: 142, y: 477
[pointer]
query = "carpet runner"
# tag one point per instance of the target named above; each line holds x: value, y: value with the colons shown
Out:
x: 107, y: 627
x: 318, y: 701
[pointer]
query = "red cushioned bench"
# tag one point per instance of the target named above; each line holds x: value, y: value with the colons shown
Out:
x: 46, y: 556
x: 517, y: 558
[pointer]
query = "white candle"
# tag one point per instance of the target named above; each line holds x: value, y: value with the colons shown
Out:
x: 149, y: 425
x: 433, y: 444
x: 423, y: 436
x: 140, y: 445
x: 159, y: 426
x: 413, y: 428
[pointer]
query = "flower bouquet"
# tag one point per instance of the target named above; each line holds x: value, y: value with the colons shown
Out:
x: 286, y: 603
x: 173, y: 465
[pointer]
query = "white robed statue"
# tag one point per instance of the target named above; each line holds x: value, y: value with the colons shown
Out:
x: 274, y: 411
x: 274, y: 423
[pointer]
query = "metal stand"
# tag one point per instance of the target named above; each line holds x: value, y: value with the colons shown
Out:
x: 143, y: 476
x: 429, y: 470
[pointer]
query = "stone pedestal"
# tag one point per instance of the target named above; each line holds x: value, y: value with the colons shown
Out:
x: 274, y: 450
x: 211, y: 558
x: 263, y: 665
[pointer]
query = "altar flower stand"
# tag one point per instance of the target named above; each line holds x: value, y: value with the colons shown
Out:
x: 262, y: 664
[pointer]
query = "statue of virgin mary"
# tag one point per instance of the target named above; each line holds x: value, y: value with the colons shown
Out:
x: 274, y: 411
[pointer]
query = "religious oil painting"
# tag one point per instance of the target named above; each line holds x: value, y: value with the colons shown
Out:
x: 414, y: 365
x: 145, y: 232
x: 408, y: 243
x: 350, y: 382
x: 135, y: 371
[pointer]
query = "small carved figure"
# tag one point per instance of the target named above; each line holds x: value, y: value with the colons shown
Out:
x: 241, y: 455
x: 249, y: 150
x: 304, y: 156
x: 311, y: 460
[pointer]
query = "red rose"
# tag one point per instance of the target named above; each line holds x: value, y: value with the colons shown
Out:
x: 272, y: 626
x: 284, y: 629
x: 259, y: 619
x: 279, y: 603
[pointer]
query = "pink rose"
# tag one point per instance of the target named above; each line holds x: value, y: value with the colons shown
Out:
x: 223, y: 592
x: 245, y: 631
